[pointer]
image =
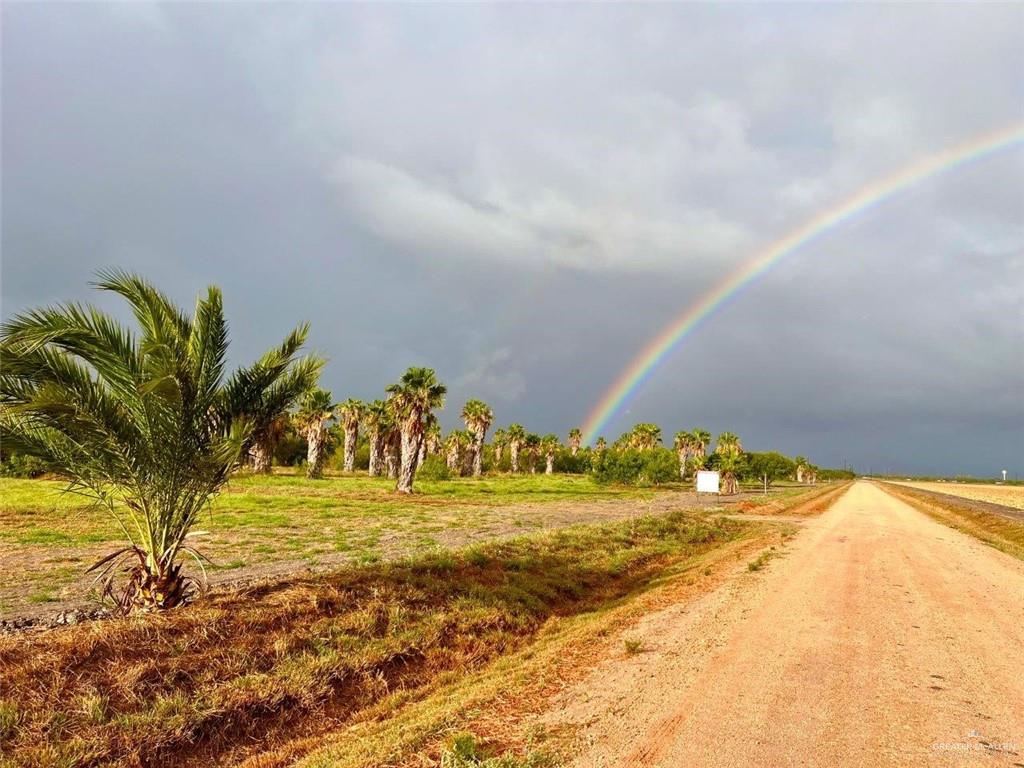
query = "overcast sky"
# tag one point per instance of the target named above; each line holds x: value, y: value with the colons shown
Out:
x: 522, y: 196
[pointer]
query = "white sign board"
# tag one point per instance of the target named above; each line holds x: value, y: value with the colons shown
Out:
x: 707, y: 482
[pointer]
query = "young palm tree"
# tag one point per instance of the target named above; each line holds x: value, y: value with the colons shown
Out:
x: 312, y: 419
x: 575, y: 440
x: 264, y: 393
x: 549, y: 445
x: 516, y: 438
x: 142, y: 422
x: 478, y: 417
x: 351, y: 412
x: 413, y: 398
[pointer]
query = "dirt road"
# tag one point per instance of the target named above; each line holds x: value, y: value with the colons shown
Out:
x: 878, y: 638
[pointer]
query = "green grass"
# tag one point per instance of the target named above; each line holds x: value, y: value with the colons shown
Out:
x: 269, y: 659
x: 261, y: 520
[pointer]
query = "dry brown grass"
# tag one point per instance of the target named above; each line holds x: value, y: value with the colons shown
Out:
x: 996, y: 530
x: 1006, y: 495
x: 240, y: 674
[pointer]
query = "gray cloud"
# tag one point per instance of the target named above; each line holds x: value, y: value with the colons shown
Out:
x: 522, y: 196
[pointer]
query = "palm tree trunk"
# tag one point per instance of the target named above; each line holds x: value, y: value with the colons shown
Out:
x: 392, y: 457
x: 513, y: 451
x: 376, y: 449
x: 410, y: 453
x: 478, y: 454
x: 498, y: 453
x: 682, y: 464
x: 421, y: 455
x: 261, y: 454
x: 550, y: 468
x: 351, y: 438
x: 315, y: 452
x: 155, y: 589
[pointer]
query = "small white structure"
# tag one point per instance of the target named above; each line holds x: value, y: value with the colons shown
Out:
x: 707, y: 482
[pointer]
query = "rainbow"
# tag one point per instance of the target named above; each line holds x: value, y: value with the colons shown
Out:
x: 638, y: 371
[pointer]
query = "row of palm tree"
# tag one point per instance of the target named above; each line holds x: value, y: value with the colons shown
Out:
x: 148, y: 423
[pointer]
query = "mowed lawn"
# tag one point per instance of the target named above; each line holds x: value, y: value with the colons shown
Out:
x: 266, y: 525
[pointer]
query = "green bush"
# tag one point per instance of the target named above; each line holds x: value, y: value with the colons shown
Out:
x: 572, y: 465
x: 19, y: 465
x: 654, y: 466
x: 434, y: 468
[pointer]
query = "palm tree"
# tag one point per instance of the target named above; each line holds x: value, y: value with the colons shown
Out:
x: 351, y: 412
x: 516, y: 438
x: 377, y: 421
x: 312, y: 418
x: 683, y: 444
x: 264, y: 392
x: 478, y: 417
x: 500, y: 441
x: 532, y: 443
x: 698, y: 461
x: 549, y: 444
x: 453, y: 450
x: 144, y: 423
x: 432, y: 437
x: 729, y: 451
x: 393, y: 448
x: 728, y: 443
x: 645, y: 436
x: 801, y: 468
x: 413, y: 398
x: 575, y: 440
x: 601, y: 445
x: 729, y: 467
x: 430, y: 427
x: 701, y: 439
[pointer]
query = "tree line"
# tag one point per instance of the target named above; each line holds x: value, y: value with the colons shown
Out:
x: 149, y: 424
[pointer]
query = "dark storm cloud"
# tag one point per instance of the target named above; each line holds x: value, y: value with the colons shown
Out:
x: 521, y: 196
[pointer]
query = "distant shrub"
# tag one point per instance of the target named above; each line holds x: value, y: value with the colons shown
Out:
x: 655, y: 466
x: 290, y: 450
x: 434, y: 468
x: 572, y: 465
x: 20, y: 465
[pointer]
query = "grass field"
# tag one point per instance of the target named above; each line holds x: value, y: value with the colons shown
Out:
x: 410, y: 649
x: 266, y: 526
x: 296, y: 660
x: 1006, y: 495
